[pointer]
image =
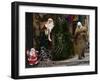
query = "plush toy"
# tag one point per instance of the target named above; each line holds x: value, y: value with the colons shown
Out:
x: 32, y: 57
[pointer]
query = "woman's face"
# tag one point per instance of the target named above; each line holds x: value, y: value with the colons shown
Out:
x: 79, y: 26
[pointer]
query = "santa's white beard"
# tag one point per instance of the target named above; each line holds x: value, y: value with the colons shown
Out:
x: 49, y: 27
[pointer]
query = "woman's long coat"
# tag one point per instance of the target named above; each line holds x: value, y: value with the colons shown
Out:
x: 80, y: 40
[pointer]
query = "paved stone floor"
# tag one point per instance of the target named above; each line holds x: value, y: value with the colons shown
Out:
x: 69, y: 62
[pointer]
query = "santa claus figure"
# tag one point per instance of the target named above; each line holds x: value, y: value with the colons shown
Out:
x: 49, y: 26
x: 32, y: 57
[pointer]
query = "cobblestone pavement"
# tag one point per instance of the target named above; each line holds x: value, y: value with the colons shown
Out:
x: 69, y: 62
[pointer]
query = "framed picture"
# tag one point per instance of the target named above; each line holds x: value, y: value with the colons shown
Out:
x: 50, y: 40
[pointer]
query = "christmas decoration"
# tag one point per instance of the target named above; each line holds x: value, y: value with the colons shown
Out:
x: 32, y: 57
x: 62, y: 44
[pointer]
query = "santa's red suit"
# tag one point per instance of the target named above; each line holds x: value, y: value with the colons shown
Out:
x: 32, y: 58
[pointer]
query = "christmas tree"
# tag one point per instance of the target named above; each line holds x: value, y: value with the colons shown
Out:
x: 62, y: 44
